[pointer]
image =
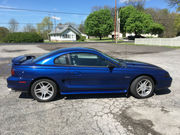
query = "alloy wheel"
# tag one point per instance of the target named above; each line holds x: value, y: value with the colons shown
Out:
x: 44, y: 90
x: 144, y: 87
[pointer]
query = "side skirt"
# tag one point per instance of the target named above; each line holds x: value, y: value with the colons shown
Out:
x: 94, y: 92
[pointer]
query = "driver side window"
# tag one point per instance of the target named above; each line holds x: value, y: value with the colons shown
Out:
x: 88, y: 59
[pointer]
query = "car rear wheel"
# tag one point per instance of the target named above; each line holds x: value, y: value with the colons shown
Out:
x: 44, y: 90
x: 142, y: 87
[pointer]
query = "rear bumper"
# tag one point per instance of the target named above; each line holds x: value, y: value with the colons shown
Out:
x: 18, y: 83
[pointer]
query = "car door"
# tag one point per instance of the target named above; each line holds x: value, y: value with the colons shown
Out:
x: 61, y: 70
x: 90, y: 72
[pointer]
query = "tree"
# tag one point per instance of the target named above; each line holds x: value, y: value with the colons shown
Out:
x: 13, y: 25
x: 135, y: 23
x: 97, y: 8
x: 177, y: 24
x: 72, y: 24
x: 138, y: 4
x: 174, y: 3
x: 3, y: 32
x: 99, y: 23
x: 23, y: 37
x: 124, y: 14
x: 165, y: 18
x: 45, y: 27
x: 29, y: 28
x: 156, y: 28
x: 138, y: 22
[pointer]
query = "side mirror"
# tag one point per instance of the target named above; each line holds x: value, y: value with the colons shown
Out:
x: 111, y: 66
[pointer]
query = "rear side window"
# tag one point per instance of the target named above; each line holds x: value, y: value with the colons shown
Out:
x: 61, y: 60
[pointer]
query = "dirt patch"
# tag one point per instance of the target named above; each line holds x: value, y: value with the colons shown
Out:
x: 137, y: 127
x: 12, y: 51
x: 163, y: 109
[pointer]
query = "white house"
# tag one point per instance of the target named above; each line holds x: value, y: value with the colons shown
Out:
x: 65, y: 33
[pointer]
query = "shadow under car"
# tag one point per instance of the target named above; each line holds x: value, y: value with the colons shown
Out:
x: 94, y: 96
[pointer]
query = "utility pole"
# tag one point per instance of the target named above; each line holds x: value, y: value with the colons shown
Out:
x: 117, y: 27
x: 55, y: 29
x: 115, y: 22
x: 118, y: 24
x: 55, y: 18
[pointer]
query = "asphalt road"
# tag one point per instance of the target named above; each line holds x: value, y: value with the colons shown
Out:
x: 108, y: 114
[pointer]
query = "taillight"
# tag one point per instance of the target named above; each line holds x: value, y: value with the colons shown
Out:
x: 12, y: 72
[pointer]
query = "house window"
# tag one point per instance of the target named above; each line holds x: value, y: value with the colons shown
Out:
x: 66, y: 36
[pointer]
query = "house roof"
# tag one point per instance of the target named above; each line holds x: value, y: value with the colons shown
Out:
x: 62, y: 28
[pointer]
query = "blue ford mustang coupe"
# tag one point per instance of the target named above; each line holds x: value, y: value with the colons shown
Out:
x: 84, y: 71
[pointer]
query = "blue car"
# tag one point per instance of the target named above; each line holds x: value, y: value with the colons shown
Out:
x: 84, y: 71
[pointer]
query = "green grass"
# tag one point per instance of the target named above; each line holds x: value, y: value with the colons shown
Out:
x: 175, y: 47
x: 126, y: 43
x: 56, y: 41
x: 104, y: 39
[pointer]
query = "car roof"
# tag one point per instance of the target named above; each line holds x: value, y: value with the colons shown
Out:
x: 56, y: 52
x: 67, y: 50
x: 74, y: 49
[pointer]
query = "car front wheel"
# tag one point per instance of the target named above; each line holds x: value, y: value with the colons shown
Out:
x: 142, y: 87
x: 43, y: 90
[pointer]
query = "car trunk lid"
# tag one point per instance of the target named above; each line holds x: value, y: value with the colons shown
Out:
x: 22, y: 59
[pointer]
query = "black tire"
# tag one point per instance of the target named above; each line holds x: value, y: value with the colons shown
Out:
x: 53, y: 86
x: 135, y: 84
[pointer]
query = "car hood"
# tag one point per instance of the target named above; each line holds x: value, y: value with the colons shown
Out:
x: 133, y: 63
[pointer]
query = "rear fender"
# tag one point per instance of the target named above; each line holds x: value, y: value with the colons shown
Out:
x: 58, y: 84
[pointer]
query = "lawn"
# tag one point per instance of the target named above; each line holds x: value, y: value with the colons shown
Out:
x: 104, y: 39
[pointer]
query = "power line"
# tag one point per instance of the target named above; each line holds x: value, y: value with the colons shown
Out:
x: 42, y: 11
x: 26, y: 23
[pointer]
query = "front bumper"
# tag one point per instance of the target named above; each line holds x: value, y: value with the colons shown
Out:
x: 18, y: 83
x: 164, y: 83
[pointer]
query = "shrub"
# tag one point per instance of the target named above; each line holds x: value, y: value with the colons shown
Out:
x: 82, y: 38
x: 3, y: 33
x: 23, y: 37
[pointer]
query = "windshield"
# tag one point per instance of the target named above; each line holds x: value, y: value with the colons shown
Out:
x: 112, y: 58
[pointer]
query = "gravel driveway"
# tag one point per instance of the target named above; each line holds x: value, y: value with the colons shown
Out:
x: 108, y: 114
